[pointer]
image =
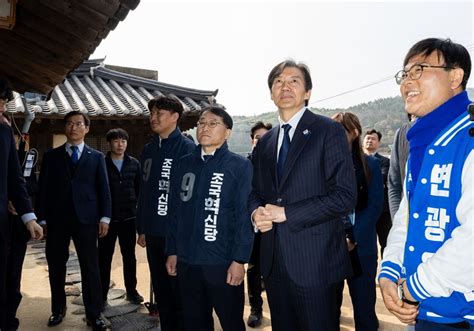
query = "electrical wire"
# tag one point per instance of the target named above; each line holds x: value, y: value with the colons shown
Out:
x: 469, y: 48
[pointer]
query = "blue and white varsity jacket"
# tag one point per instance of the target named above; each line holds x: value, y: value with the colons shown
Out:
x: 431, y: 243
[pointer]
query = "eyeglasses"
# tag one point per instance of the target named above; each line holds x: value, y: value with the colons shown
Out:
x: 211, y: 124
x: 292, y: 82
x: 76, y: 124
x: 415, y: 72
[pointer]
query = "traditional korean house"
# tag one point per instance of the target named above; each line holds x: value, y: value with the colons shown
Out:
x: 112, y: 97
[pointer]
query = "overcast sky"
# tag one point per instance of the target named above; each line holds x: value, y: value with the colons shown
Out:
x: 232, y: 46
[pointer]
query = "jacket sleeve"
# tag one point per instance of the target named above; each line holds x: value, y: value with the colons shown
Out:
x: 103, y: 188
x: 451, y: 268
x: 244, y: 235
x: 174, y: 205
x: 395, y: 180
x: 137, y: 178
x: 255, y: 198
x: 141, y: 193
x: 17, y: 191
x: 340, y: 181
x: 392, y: 263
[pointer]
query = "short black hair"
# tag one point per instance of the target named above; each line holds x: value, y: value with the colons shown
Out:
x: 87, y: 120
x: 259, y: 125
x: 219, y: 111
x: 117, y: 133
x: 455, y: 55
x: 166, y: 103
x: 379, y: 134
x: 278, y: 69
x: 6, y: 92
x: 187, y: 135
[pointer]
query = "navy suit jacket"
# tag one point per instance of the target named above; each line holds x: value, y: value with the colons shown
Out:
x: 366, y: 219
x: 12, y: 183
x: 317, y: 188
x: 384, y: 167
x: 90, y: 189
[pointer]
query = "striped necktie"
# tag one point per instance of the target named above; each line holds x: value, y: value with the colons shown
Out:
x: 285, y: 146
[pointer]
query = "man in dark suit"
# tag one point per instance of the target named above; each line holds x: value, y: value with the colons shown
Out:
x: 73, y: 197
x: 303, y: 185
x: 371, y: 144
x: 12, y: 187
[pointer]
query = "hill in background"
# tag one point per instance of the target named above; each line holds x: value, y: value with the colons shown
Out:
x: 385, y: 115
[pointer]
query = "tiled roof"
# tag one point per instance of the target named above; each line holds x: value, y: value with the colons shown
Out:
x: 100, y: 91
x: 50, y: 38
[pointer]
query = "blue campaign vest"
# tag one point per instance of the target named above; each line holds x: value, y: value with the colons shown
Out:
x: 432, y: 216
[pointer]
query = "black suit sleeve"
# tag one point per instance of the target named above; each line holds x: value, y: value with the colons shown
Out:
x: 243, y: 238
x: 17, y: 191
x: 103, y: 189
x: 255, y: 199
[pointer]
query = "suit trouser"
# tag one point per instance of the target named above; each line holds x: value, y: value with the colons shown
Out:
x: 363, y: 294
x: 203, y: 288
x: 84, y: 237
x: 16, y: 255
x: 126, y: 233
x: 295, y: 307
x: 12, y: 253
x: 383, y: 226
x: 165, y: 287
x: 254, y: 277
x: 3, y: 279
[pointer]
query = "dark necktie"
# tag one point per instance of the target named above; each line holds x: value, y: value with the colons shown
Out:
x: 206, y: 158
x: 74, y: 154
x: 285, y: 146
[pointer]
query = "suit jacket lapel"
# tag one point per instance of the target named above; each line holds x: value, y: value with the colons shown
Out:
x: 300, y: 138
x: 84, y: 156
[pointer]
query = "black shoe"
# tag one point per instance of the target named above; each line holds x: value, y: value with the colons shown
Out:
x: 254, y: 320
x: 57, y: 318
x: 100, y: 323
x: 13, y: 324
x: 134, y: 298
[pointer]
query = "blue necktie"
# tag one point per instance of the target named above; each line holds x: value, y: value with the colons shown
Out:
x: 74, y: 154
x: 206, y: 158
x: 285, y: 146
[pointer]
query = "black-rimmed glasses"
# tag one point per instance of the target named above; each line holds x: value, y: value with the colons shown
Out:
x: 415, y: 72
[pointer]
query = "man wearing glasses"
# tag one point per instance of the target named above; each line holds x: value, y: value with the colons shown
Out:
x: 211, y: 234
x: 428, y: 267
x: 159, y: 160
x: 74, y: 202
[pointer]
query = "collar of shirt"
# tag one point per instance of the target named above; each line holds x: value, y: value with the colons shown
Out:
x: 202, y: 154
x: 80, y: 148
x: 293, y: 122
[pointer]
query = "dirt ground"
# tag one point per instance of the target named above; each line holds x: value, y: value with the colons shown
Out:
x: 35, y: 307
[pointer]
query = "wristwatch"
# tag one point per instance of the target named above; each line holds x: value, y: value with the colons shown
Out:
x: 401, y: 295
